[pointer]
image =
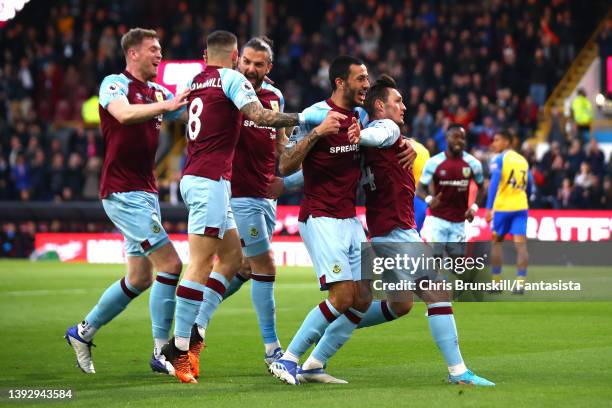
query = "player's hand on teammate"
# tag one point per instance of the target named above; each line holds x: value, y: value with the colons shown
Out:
x: 331, y: 124
x: 489, y: 215
x: 435, y: 201
x: 276, y: 189
x: 178, y: 102
x: 354, y: 132
x: 407, y: 155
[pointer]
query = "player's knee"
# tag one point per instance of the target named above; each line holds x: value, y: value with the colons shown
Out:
x: 341, y: 303
x: 269, y: 263
x: 342, y: 299
x: 263, y: 263
x: 142, y: 282
x: 401, y: 308
x: 231, y: 260
x: 173, y: 266
x: 362, y: 301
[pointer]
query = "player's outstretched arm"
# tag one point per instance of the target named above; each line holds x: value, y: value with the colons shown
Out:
x: 128, y: 114
x: 267, y: 117
x: 291, y: 159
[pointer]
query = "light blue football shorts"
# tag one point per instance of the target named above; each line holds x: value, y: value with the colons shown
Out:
x: 334, y: 245
x: 405, y: 242
x: 443, y: 232
x: 136, y: 214
x: 208, y: 202
x: 256, y: 219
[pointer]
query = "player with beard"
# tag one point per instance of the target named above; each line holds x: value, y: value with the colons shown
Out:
x: 220, y: 99
x: 329, y: 226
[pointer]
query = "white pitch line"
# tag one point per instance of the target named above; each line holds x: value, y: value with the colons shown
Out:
x: 47, y: 292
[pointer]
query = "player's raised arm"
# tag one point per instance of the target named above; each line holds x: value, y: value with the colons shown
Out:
x: 291, y: 159
x: 128, y: 114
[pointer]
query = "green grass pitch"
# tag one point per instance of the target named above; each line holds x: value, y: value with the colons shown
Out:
x: 539, y: 354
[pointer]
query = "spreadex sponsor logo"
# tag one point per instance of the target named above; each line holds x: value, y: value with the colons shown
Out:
x: 250, y: 123
x: 344, y: 149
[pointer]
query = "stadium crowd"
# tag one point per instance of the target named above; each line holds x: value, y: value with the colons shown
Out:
x: 486, y: 68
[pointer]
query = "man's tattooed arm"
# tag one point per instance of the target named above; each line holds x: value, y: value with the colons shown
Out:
x: 266, y: 117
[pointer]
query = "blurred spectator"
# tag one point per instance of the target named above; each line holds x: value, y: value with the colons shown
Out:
x: 39, y: 176
x: 587, y: 189
x: 56, y: 176
x: 21, y: 177
x: 584, y: 177
x: 422, y: 124
x: 565, y: 195
x: 556, y: 132
x: 575, y: 157
x: 552, y: 168
x: 595, y: 158
x: 73, y: 178
x: 92, y: 178
x: 539, y: 78
x: 5, y: 180
x: 606, y: 197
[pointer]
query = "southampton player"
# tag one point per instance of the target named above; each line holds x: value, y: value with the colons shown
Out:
x: 451, y: 172
x: 131, y: 112
x: 507, y: 204
x: 389, y: 191
x: 420, y: 206
x: 218, y: 96
x: 253, y: 203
